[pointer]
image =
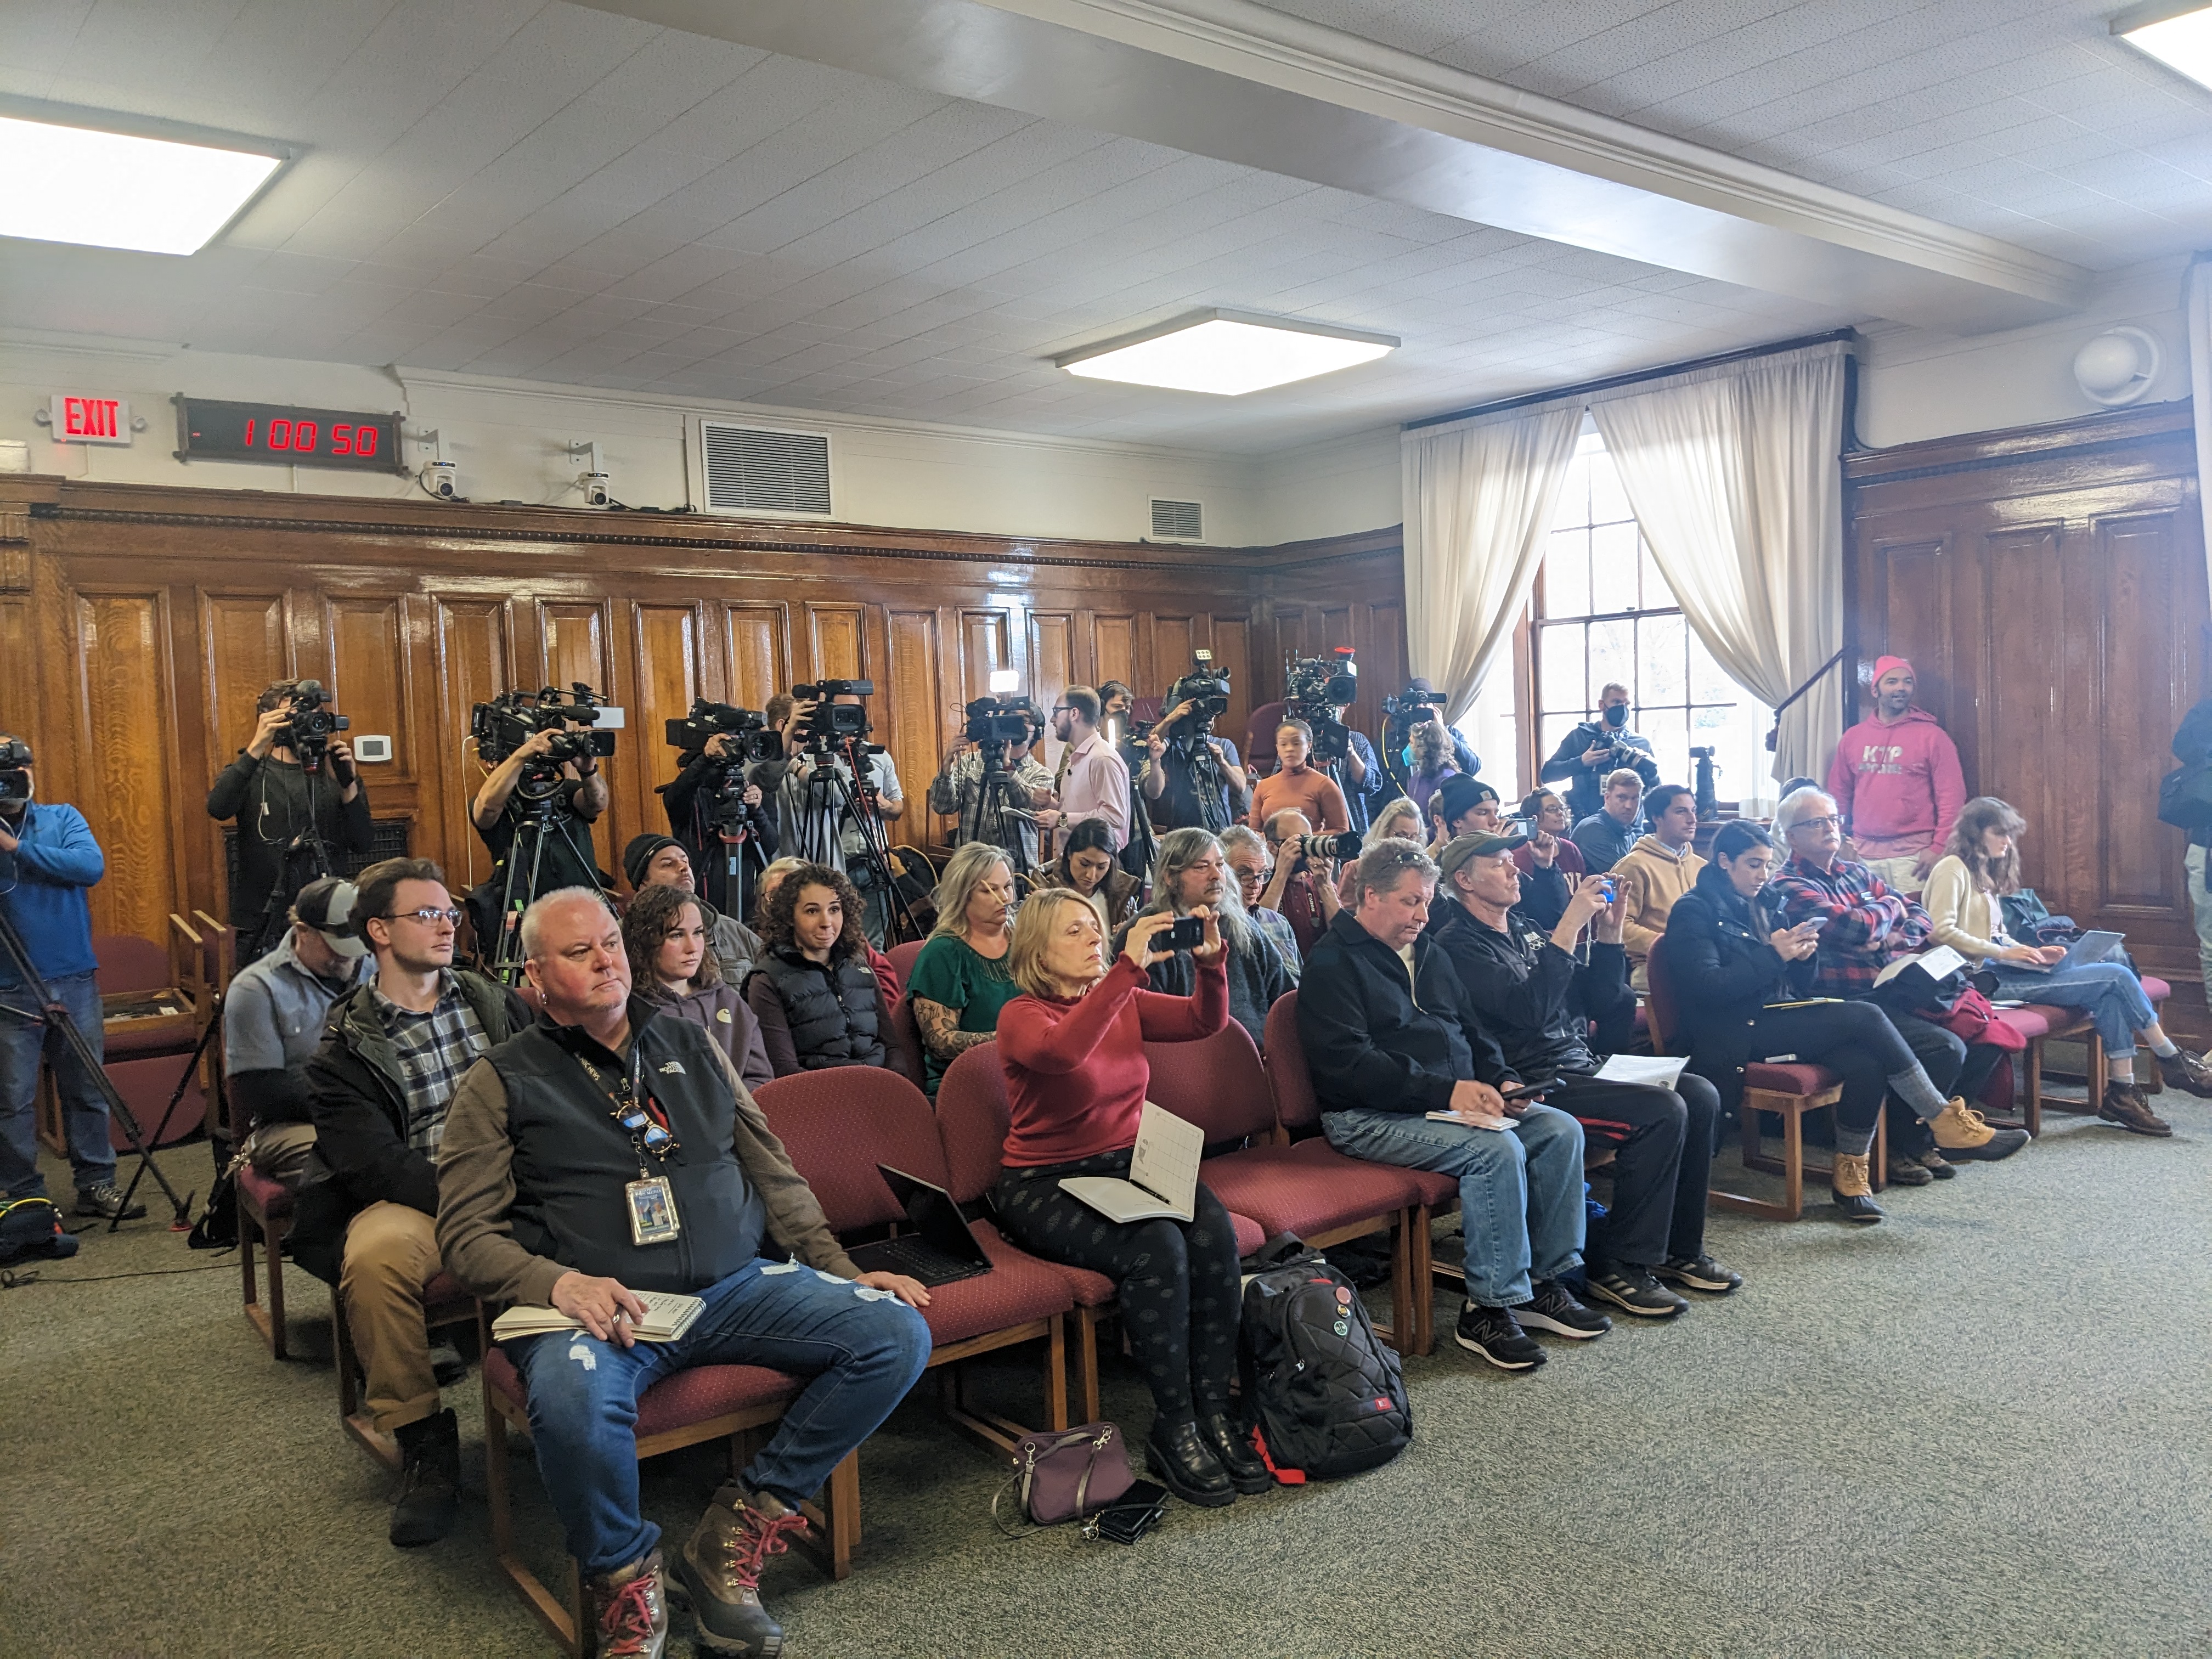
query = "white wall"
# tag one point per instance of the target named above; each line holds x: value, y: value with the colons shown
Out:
x: 1335, y: 489
x: 509, y: 441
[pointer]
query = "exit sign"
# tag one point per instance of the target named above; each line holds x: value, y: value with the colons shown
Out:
x: 88, y: 420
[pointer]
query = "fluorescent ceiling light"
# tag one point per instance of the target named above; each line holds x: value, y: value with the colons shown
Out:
x: 1227, y: 352
x: 70, y: 183
x: 2179, y: 35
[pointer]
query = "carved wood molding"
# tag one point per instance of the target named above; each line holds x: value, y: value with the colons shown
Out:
x: 2090, y: 435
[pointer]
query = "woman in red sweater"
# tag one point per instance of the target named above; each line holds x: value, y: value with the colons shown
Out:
x: 1072, y: 1045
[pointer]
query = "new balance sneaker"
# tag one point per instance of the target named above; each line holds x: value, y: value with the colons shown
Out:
x: 2184, y: 1071
x: 1961, y: 1132
x: 1553, y: 1309
x: 1699, y: 1273
x: 1633, y: 1290
x: 2124, y: 1104
x: 1495, y: 1334
x: 106, y: 1201
x: 1853, y: 1190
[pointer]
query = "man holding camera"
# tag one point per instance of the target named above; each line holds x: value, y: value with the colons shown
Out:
x: 1303, y: 887
x: 47, y: 860
x: 1420, y: 703
x: 1594, y: 749
x: 818, y: 802
x: 1192, y: 778
x: 286, y: 800
x: 723, y: 821
x: 995, y: 802
x: 1192, y: 881
x: 561, y: 854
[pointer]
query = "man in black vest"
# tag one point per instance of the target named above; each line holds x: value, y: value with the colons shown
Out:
x: 608, y: 1148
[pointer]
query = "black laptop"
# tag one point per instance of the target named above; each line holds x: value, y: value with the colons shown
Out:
x: 938, y: 1250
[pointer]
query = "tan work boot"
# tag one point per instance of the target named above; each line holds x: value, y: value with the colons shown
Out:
x: 1851, y: 1182
x: 631, y: 1609
x: 720, y: 1567
x: 1960, y: 1133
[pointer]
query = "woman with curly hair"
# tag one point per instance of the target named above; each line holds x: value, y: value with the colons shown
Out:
x: 814, y: 991
x: 1433, y: 761
x: 673, y: 966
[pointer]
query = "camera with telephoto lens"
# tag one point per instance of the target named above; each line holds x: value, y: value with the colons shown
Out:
x: 1320, y: 849
x: 708, y: 720
x: 833, y: 722
x: 1313, y: 688
x: 1000, y: 721
x: 312, y: 725
x: 14, y: 775
x: 1206, y: 689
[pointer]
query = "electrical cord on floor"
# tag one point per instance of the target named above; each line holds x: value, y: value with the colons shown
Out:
x: 12, y: 1279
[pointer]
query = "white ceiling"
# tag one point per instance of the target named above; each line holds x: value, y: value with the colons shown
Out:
x: 512, y: 188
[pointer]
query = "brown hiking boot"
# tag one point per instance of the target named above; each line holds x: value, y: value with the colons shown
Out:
x: 2186, y: 1071
x: 1961, y: 1134
x: 1853, y: 1188
x: 1906, y: 1171
x: 1933, y: 1161
x: 720, y: 1567
x: 631, y: 1609
x: 2125, y: 1106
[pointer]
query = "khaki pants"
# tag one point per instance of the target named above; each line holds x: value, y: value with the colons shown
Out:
x: 391, y: 1255
x: 280, y: 1150
x: 1898, y: 875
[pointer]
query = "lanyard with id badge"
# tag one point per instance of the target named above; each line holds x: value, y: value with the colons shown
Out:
x: 650, y: 1199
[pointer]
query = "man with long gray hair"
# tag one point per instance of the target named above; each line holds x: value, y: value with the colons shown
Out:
x: 1193, y: 871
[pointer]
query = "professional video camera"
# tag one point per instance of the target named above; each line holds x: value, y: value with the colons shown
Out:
x: 831, y: 722
x: 1409, y: 708
x: 313, y: 725
x: 1313, y: 688
x: 709, y: 720
x: 1321, y: 847
x: 1000, y: 720
x: 14, y: 779
x: 1206, y: 688
x: 513, y: 717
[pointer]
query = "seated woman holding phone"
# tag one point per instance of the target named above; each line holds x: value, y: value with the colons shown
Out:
x: 1739, y: 975
x: 1072, y: 1045
x: 1979, y: 866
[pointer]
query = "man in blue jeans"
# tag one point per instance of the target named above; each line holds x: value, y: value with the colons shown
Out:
x: 611, y: 1149
x: 1390, y: 1038
x: 47, y: 860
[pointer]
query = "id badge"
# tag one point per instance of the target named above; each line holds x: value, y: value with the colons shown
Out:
x: 652, y: 1211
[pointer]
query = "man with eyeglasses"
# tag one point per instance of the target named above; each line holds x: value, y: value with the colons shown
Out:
x: 392, y: 1054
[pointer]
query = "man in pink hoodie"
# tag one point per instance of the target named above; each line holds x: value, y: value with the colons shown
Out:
x: 1896, y: 777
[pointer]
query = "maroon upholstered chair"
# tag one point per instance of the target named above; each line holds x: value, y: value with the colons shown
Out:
x: 902, y: 958
x: 265, y: 1215
x: 1309, y: 1189
x: 444, y: 1302
x: 837, y: 1125
x: 2040, y: 1022
x: 701, y: 1403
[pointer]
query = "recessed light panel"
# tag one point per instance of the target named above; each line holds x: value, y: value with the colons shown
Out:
x: 103, y: 189
x: 2179, y: 36
x: 1228, y: 353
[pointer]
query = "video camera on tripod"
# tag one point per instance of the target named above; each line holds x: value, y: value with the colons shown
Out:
x: 750, y: 741
x: 1313, y: 688
x: 997, y: 721
x: 1206, y: 689
x: 312, y: 725
x: 513, y: 717
x: 14, y: 773
x: 833, y: 723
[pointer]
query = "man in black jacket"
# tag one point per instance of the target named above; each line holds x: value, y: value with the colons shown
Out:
x: 1406, y: 1077
x: 1519, y: 984
x: 392, y: 1054
x: 700, y: 819
x: 1595, y: 750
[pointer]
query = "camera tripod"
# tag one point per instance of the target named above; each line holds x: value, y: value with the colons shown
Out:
x: 505, y: 962
x: 857, y: 799
x: 1206, y: 783
x: 992, y: 811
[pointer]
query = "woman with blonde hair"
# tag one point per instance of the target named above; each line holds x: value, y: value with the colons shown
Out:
x: 1979, y: 866
x: 1074, y: 1048
x: 960, y: 980
x: 1400, y: 820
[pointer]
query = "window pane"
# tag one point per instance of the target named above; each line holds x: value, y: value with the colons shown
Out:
x: 1612, y: 656
x: 1566, y: 574
x: 1707, y: 683
x: 1608, y: 500
x: 1657, y: 596
x: 1612, y: 569
x: 1670, y: 744
x: 1660, y: 660
x: 1559, y: 669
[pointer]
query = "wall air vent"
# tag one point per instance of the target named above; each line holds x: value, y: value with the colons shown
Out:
x: 1178, y: 522
x: 752, y: 471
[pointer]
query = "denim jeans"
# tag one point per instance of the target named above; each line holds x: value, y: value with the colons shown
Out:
x: 1520, y: 1191
x: 84, y: 1108
x: 2108, y: 992
x: 864, y: 1349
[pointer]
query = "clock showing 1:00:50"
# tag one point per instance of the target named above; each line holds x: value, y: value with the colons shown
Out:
x: 210, y: 430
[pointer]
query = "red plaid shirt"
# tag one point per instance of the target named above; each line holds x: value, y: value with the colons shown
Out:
x: 1868, y: 925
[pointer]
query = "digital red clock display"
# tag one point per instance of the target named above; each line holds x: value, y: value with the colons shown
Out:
x: 210, y: 430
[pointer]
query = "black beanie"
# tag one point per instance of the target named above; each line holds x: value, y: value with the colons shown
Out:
x: 640, y: 853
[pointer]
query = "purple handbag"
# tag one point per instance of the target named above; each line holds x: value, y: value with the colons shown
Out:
x: 1066, y: 1474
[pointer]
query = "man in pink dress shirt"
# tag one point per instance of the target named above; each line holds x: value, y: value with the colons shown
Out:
x: 1096, y: 783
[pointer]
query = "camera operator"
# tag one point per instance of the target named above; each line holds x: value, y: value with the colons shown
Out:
x: 278, y: 795
x: 815, y: 782
x: 1360, y: 774
x: 1587, y: 754
x: 1302, y: 888
x: 696, y: 818
x: 47, y: 860
x: 1192, y: 778
x: 567, y: 859
x: 1004, y: 819
x: 1420, y: 703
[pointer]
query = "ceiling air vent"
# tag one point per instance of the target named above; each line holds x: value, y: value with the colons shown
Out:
x: 752, y: 471
x: 1178, y: 522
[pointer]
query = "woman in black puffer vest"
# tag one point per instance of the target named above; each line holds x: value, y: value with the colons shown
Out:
x: 813, y: 991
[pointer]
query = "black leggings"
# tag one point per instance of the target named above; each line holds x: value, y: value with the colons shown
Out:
x: 1181, y: 1292
x: 1856, y: 1041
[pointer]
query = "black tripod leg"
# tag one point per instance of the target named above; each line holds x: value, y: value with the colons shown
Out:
x: 176, y: 1096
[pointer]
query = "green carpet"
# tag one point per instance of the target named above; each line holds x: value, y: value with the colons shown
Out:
x: 1981, y: 1428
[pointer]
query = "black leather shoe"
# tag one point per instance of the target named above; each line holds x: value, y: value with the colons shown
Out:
x: 430, y: 1482
x: 1232, y: 1448
x: 1186, y: 1467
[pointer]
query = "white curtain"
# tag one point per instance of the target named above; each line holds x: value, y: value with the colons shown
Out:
x: 1479, y: 504
x: 2200, y: 386
x: 1734, y: 476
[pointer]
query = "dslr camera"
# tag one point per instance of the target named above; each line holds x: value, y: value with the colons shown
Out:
x: 14, y: 775
x: 1313, y: 688
x: 312, y: 725
x: 832, y: 722
x: 1320, y: 849
x: 513, y: 717
x: 1206, y: 688
x: 709, y: 720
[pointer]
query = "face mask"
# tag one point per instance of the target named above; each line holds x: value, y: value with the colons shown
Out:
x: 1617, y: 716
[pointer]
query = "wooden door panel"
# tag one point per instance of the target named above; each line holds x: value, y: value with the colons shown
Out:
x: 757, y: 656
x: 476, y: 663
x: 245, y: 640
x: 2144, y: 691
x: 125, y: 783
x: 1114, y: 650
x: 666, y: 676
x: 837, y: 642
x: 985, y: 644
x: 918, y: 741
x: 2015, y: 744
x: 1232, y: 652
x: 1052, y: 671
x: 370, y: 681
x: 1173, y: 640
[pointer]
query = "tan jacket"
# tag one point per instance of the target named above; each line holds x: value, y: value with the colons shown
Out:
x: 476, y: 1190
x: 1653, y: 877
x: 1966, y: 919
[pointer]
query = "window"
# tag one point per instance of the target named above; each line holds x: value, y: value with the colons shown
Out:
x: 1602, y: 613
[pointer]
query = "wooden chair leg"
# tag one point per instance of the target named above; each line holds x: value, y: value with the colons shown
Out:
x: 2096, y: 1080
x: 274, y: 1242
x: 1793, y: 1164
x: 2031, y: 1113
x: 1055, y: 1373
x: 1878, y: 1154
x: 1086, y: 1363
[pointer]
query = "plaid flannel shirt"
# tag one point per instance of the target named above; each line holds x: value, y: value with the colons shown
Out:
x: 434, y: 1050
x: 1868, y: 925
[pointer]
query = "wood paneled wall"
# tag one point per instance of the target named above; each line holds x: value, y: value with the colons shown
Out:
x: 139, y: 623
x: 2049, y: 586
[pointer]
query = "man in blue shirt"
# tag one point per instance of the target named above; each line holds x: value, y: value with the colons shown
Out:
x: 47, y: 860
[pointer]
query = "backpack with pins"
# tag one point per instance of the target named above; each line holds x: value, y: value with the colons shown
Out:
x: 1326, y: 1398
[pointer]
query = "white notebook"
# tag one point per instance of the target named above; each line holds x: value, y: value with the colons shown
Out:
x: 1162, y: 1173
x: 667, y: 1316
x: 1938, y: 963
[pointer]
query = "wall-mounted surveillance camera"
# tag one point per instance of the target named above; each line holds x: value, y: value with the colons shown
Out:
x: 442, y: 479
x: 594, y: 481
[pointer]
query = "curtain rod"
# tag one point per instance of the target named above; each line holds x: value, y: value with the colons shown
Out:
x: 1613, y: 382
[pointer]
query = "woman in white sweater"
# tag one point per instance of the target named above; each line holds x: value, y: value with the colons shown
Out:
x: 1981, y: 864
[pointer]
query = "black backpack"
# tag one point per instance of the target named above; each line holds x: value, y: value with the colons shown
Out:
x: 2185, y: 797
x: 1326, y: 1398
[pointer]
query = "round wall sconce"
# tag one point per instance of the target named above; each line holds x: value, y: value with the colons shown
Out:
x: 2118, y: 366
